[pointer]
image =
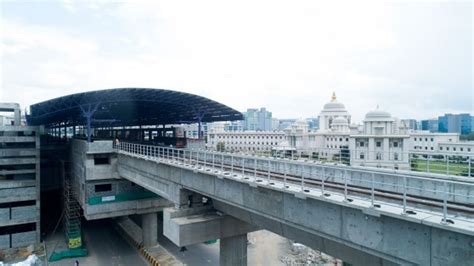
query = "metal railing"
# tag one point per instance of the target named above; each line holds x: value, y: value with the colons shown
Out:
x: 408, y: 190
x: 441, y: 162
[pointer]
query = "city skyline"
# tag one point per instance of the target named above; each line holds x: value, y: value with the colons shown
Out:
x: 411, y: 59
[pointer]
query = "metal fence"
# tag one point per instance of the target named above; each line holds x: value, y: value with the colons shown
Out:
x: 409, y: 190
x: 448, y: 163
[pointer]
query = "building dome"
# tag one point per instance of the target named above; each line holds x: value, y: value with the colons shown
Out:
x: 331, y: 111
x: 378, y: 114
x: 340, y: 121
x: 334, y: 105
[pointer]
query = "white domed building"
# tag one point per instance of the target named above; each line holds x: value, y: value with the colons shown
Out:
x: 381, y: 143
x: 326, y: 143
x: 330, y: 112
x: 340, y: 124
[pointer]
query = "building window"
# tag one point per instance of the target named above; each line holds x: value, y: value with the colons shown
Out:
x: 447, y: 148
x: 432, y: 139
x: 340, y: 139
x: 101, y: 159
x: 461, y: 149
x: 431, y: 148
x: 378, y: 156
x: 395, y: 144
x: 103, y: 188
x: 468, y: 149
x: 395, y: 156
x: 454, y: 149
x: 361, y: 156
x: 415, y: 139
x: 361, y: 144
x: 426, y: 139
x: 440, y: 148
x: 378, y: 144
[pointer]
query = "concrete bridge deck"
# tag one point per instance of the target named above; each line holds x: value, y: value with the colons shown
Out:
x: 364, y: 216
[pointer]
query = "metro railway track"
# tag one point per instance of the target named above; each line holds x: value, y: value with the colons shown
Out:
x: 331, y: 186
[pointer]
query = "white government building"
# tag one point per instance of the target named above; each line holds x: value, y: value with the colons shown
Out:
x: 380, y: 141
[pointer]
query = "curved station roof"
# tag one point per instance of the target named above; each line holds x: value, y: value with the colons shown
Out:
x: 129, y: 107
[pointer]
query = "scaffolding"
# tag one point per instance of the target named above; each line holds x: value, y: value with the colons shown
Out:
x: 71, y: 218
x: 72, y: 212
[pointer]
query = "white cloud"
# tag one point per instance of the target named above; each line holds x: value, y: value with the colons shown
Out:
x: 284, y: 55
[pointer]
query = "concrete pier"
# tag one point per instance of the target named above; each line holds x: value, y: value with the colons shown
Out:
x: 233, y: 250
x: 150, y: 229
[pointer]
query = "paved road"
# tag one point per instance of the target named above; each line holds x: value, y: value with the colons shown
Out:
x: 105, y: 246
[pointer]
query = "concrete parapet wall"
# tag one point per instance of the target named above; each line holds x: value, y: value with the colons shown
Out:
x: 18, y: 215
x: 4, y: 215
x: 13, y: 161
x: 4, y: 241
x: 19, y: 128
x: 11, y: 139
x: 97, y: 146
x: 28, y: 213
x: 100, y: 146
x: 19, y: 152
x: 23, y: 239
x: 18, y: 194
x: 6, y: 184
x: 116, y: 209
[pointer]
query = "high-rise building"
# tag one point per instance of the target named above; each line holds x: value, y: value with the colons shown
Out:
x: 313, y: 123
x: 410, y: 123
x: 430, y: 125
x: 258, y: 120
x: 472, y: 123
x: 275, y: 123
x: 455, y: 123
x: 285, y: 123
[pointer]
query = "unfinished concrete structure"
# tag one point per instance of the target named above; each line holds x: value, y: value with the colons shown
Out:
x: 361, y: 215
x: 350, y: 227
x: 19, y: 182
x: 87, y: 122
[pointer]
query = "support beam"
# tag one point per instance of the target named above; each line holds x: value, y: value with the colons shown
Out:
x: 150, y: 229
x: 191, y: 226
x: 233, y: 250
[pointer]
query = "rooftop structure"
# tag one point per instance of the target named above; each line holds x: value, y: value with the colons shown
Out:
x: 129, y: 107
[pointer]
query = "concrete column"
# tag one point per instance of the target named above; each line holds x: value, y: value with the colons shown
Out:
x: 233, y: 250
x: 150, y: 229
x: 386, y: 150
x: 371, y: 150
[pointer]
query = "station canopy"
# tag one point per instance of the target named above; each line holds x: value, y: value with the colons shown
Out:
x: 129, y: 107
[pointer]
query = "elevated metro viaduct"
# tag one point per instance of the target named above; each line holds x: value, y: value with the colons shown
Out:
x: 205, y: 199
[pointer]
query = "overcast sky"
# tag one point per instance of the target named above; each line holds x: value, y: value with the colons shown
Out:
x: 413, y: 59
